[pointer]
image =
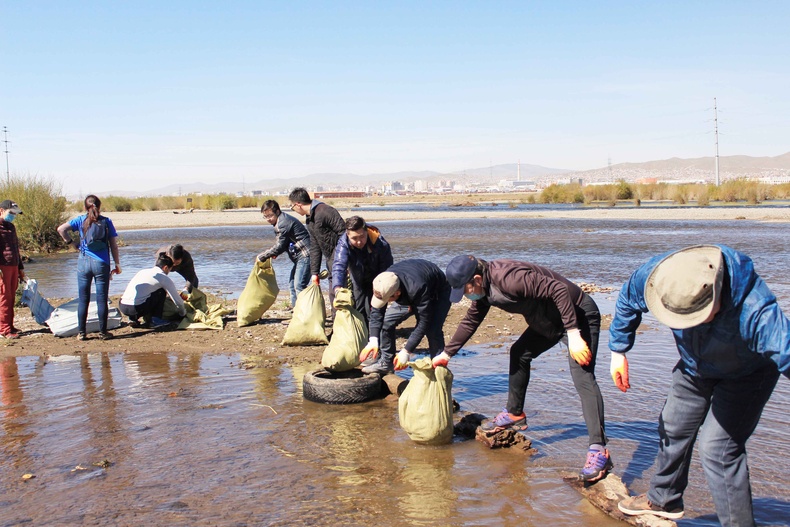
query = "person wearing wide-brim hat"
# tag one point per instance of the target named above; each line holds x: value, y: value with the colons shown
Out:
x: 12, y: 270
x: 733, y: 341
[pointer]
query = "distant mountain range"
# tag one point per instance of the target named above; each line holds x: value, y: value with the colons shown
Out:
x: 730, y: 167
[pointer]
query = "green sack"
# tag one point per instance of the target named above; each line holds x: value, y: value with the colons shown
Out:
x: 349, y: 335
x: 199, y: 315
x: 307, y: 324
x: 259, y: 294
x: 425, y: 407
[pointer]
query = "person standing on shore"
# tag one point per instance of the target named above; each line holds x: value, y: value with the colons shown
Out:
x: 182, y: 264
x: 292, y: 238
x: 409, y: 287
x: 325, y: 226
x: 97, y: 241
x: 363, y: 253
x: 12, y: 270
x: 733, y: 341
x: 555, y: 310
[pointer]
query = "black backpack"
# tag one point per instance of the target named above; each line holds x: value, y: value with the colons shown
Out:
x: 96, y: 237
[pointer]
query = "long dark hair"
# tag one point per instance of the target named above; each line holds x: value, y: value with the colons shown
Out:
x: 92, y: 204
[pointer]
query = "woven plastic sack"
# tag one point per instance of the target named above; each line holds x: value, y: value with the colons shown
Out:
x: 425, y: 407
x: 259, y: 294
x: 349, y: 335
x: 38, y: 305
x: 307, y: 324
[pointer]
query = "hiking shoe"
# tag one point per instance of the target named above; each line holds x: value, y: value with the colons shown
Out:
x: 104, y: 335
x: 368, y: 362
x: 379, y: 367
x: 638, y: 505
x: 597, y: 465
x: 82, y: 336
x: 505, y: 420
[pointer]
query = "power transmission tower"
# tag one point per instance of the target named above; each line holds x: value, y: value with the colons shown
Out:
x: 716, y: 133
x: 5, y: 140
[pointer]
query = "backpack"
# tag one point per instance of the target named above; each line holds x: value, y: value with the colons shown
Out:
x: 96, y: 237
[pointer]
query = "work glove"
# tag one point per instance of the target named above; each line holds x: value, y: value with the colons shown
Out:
x: 314, y: 279
x: 371, y: 351
x: 440, y: 360
x: 401, y: 360
x: 619, y: 370
x: 184, y: 295
x: 261, y: 257
x: 578, y: 348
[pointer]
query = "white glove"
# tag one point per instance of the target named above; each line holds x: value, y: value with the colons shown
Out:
x: 402, y: 359
x: 578, y: 348
x: 371, y: 351
x: 440, y: 360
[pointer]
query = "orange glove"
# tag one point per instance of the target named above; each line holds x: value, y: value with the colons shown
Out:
x: 401, y: 360
x: 619, y: 370
x: 371, y: 351
x: 578, y: 348
x: 440, y: 360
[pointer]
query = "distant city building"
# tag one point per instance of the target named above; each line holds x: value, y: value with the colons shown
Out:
x: 338, y: 194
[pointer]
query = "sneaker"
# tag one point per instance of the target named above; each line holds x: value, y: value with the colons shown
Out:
x: 638, y: 505
x: 82, y: 336
x: 597, y: 465
x: 368, y: 362
x: 105, y: 335
x: 505, y: 420
x: 11, y: 335
x: 379, y: 367
x: 159, y: 323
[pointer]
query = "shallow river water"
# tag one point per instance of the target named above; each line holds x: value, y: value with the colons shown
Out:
x: 198, y: 440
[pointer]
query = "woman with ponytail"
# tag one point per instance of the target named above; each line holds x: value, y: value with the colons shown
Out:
x: 96, y: 241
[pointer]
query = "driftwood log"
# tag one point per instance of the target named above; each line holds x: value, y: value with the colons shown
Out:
x: 607, y: 493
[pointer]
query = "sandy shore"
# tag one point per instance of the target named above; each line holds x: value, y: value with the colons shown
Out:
x: 205, y: 218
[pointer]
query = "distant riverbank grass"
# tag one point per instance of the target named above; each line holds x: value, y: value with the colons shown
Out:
x: 179, y: 203
x: 43, y: 209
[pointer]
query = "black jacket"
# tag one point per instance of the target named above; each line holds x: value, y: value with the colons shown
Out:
x: 325, y: 226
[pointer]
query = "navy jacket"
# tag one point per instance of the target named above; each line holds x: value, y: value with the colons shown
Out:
x: 362, y: 264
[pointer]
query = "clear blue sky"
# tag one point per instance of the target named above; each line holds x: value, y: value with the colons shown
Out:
x: 135, y: 95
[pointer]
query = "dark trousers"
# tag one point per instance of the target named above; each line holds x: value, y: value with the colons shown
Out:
x: 152, y: 307
x: 532, y: 344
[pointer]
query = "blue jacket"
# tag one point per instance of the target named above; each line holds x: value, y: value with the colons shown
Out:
x: 748, y: 333
x: 362, y: 264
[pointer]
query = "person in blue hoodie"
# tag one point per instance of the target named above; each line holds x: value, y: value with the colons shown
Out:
x: 734, y: 341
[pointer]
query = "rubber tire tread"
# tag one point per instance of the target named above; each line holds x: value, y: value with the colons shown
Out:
x: 348, y: 387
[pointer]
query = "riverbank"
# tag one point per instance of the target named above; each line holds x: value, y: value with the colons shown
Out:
x: 207, y: 218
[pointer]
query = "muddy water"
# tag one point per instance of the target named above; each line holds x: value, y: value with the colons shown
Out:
x: 198, y: 440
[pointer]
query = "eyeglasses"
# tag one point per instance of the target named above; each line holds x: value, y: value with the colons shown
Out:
x: 269, y: 216
x: 292, y: 205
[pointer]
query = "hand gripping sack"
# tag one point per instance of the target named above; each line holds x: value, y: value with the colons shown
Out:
x: 259, y: 294
x: 307, y: 324
x: 425, y: 407
x: 349, y: 335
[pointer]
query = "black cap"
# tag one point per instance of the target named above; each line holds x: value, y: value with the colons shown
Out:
x: 10, y: 206
x: 460, y: 272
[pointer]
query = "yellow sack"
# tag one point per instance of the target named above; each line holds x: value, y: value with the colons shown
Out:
x: 425, y: 407
x: 259, y: 294
x: 307, y: 324
x: 199, y: 315
x: 349, y: 335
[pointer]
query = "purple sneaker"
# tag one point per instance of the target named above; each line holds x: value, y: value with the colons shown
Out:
x: 505, y: 420
x: 597, y: 465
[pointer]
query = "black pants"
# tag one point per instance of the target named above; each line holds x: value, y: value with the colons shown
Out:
x: 532, y: 344
x: 152, y: 307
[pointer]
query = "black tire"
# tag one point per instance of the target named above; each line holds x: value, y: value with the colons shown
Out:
x: 353, y: 386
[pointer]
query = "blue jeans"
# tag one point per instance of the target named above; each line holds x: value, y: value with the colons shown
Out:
x: 300, y: 277
x: 88, y: 270
x: 724, y: 412
x: 397, y: 313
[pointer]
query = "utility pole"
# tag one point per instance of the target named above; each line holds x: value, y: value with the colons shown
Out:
x: 716, y: 133
x: 7, y: 170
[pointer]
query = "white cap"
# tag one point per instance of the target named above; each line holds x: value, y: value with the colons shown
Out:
x: 384, y: 286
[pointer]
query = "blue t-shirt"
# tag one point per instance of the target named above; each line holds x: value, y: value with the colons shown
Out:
x: 103, y: 252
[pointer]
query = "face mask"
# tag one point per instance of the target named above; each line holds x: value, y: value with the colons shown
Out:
x: 9, y: 217
x: 474, y: 296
